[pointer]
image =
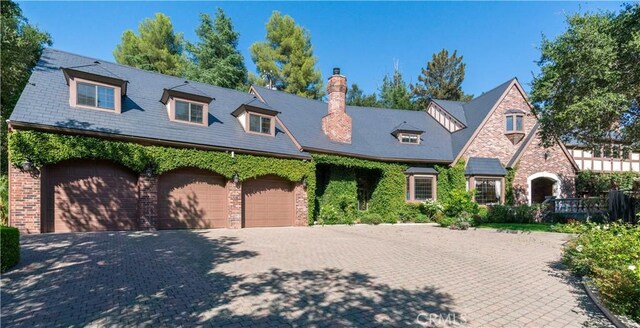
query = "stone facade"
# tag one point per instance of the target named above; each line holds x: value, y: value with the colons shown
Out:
x: 234, y: 204
x: 24, y: 200
x: 148, y: 201
x: 337, y: 124
x: 491, y: 141
x: 302, y: 204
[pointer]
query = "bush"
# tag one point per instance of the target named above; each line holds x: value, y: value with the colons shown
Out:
x: 410, y: 212
x: 428, y: 211
x: 447, y: 222
x: 9, y: 247
x: 514, y: 214
x: 610, y: 256
x: 4, y: 200
x: 330, y: 215
x: 371, y: 218
x: 460, y: 201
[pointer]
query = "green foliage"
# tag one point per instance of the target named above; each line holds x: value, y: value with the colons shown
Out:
x: 9, y: 247
x: 394, y: 92
x: 450, y: 178
x: 388, y: 197
x: 412, y: 212
x: 356, y: 97
x: 610, y: 256
x: 22, y: 45
x: 514, y: 214
x: 441, y: 79
x: 4, y: 200
x: 47, y: 148
x: 447, y: 221
x: 157, y: 47
x: 341, y: 193
x: 458, y: 202
x: 215, y: 59
x: 591, y: 183
x: 287, y: 57
x: 589, y: 84
x: 371, y: 218
x: 330, y: 214
x: 510, y: 195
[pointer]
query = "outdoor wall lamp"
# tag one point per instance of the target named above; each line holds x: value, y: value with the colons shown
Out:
x: 27, y: 166
x: 304, y: 182
x: 148, y: 171
x: 547, y: 153
x: 236, y: 179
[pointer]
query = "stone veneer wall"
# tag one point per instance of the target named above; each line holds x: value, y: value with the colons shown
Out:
x: 234, y: 204
x: 302, y: 205
x: 148, y: 201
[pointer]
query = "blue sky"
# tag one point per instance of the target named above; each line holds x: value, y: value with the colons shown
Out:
x: 498, y: 40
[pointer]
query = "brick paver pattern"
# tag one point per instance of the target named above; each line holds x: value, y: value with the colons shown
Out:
x: 401, y: 275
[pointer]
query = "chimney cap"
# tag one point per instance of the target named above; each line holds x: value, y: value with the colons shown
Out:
x: 336, y: 71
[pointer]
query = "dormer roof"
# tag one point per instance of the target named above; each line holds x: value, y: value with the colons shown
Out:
x: 95, y: 72
x: 185, y: 91
x: 405, y: 127
x: 256, y: 106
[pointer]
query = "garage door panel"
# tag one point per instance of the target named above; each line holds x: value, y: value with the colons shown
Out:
x: 268, y: 202
x: 191, y: 199
x: 91, y: 196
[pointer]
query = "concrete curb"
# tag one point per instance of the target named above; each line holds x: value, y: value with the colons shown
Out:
x: 612, y: 317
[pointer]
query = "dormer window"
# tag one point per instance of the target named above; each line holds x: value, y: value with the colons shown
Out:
x: 256, y: 117
x: 260, y: 123
x: 187, y: 104
x: 88, y: 89
x: 189, y: 112
x: 515, y: 123
x: 409, y: 138
x: 94, y: 95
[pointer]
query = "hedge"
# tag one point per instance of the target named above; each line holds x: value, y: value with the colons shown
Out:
x: 592, y: 183
x: 451, y: 178
x: 42, y: 149
x: 9, y: 247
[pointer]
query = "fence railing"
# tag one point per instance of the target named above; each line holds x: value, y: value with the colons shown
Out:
x: 588, y: 206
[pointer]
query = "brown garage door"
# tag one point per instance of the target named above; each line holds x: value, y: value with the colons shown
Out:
x: 89, y: 196
x: 191, y: 198
x: 267, y: 202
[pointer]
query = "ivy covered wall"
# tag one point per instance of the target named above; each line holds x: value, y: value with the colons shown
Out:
x: 450, y: 178
x: 42, y: 149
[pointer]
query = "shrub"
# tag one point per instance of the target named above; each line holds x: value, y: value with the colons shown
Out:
x: 432, y: 208
x: 330, y: 215
x: 410, y: 212
x: 610, y: 256
x: 514, y: 214
x: 447, y: 221
x: 9, y: 247
x: 4, y: 200
x: 371, y: 218
x: 460, y: 201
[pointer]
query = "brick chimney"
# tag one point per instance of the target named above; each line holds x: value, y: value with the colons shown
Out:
x: 337, y: 124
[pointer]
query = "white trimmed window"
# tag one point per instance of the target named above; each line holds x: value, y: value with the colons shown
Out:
x: 515, y: 123
x: 409, y: 138
x: 420, y: 188
x: 93, y: 95
x: 260, y: 124
x: 189, y: 112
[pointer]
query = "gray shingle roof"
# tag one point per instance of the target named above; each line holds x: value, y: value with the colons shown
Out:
x: 485, y: 166
x: 371, y: 133
x: 421, y: 170
x: 455, y: 108
x: 45, y: 101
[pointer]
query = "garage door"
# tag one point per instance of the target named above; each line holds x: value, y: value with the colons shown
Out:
x: 267, y: 202
x: 89, y: 196
x: 191, y: 199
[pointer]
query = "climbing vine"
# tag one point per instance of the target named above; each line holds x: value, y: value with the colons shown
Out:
x: 42, y: 149
x: 510, y: 196
x: 450, y: 178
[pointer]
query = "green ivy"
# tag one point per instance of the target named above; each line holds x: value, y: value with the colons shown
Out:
x: 47, y: 148
x: 593, y: 183
x: 388, y: 197
x: 450, y: 179
x: 510, y: 196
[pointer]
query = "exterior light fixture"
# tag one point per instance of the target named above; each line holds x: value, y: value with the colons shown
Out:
x: 304, y: 182
x: 547, y: 154
x: 236, y: 179
x: 27, y: 166
x: 148, y: 171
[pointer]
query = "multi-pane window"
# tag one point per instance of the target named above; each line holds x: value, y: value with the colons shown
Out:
x: 515, y: 123
x: 95, y: 95
x: 488, y: 190
x: 409, y: 138
x: 189, y: 112
x: 419, y: 187
x: 259, y: 124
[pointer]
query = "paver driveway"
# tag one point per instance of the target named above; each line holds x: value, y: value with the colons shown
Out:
x: 357, y: 276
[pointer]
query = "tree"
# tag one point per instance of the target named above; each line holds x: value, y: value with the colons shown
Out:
x: 156, y: 48
x: 22, y: 45
x: 356, y: 97
x: 216, y: 59
x: 441, y: 79
x: 588, y: 88
x: 394, y: 92
x: 287, y: 56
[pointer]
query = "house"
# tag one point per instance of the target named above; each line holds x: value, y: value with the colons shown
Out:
x: 103, y: 146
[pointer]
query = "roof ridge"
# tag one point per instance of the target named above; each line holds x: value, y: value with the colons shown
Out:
x: 145, y: 71
x: 491, y: 90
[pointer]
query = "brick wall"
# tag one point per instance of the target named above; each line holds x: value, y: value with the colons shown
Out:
x: 302, y: 205
x: 24, y: 200
x: 234, y: 204
x: 148, y: 191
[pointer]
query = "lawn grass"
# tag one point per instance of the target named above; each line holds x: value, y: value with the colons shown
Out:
x: 518, y: 226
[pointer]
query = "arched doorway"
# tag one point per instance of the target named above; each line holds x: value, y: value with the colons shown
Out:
x: 542, y: 185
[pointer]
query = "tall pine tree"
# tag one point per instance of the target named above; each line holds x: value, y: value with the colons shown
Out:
x: 287, y: 56
x: 441, y: 79
x: 215, y: 59
x: 22, y: 45
x: 356, y: 97
x: 156, y: 48
x: 394, y: 92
